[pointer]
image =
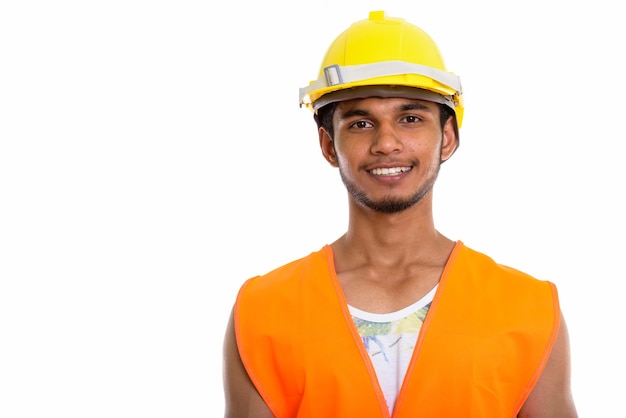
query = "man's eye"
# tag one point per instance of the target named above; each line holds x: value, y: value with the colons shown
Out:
x: 412, y: 118
x: 361, y: 124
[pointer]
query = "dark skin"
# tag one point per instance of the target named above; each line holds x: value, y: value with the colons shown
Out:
x: 388, y: 152
x: 242, y: 399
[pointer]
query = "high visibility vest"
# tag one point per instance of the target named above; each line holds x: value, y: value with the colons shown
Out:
x: 484, y: 343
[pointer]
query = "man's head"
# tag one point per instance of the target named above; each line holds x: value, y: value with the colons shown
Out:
x: 387, y: 111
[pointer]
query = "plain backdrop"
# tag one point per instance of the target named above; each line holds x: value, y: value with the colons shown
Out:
x: 153, y: 156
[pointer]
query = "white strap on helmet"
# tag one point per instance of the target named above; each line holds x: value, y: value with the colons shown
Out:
x: 336, y: 75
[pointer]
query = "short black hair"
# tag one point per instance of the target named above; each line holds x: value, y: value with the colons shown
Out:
x: 324, y: 118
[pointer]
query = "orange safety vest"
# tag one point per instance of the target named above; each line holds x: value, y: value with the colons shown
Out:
x: 483, y: 345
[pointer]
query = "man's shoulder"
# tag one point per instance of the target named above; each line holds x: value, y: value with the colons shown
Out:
x: 486, y: 264
x: 314, y: 263
x: 474, y: 273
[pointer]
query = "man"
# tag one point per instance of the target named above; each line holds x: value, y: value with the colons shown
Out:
x: 393, y: 319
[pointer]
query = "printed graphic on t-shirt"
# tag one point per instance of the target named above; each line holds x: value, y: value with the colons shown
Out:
x: 390, y: 347
x: 385, y: 340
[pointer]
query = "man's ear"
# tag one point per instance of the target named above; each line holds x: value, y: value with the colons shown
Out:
x: 328, y: 147
x: 450, y: 140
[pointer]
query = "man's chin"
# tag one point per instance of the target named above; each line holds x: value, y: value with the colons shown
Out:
x: 388, y: 205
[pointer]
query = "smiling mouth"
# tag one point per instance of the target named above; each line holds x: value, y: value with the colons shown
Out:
x: 391, y: 171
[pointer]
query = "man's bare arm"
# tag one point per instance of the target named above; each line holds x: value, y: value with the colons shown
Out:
x: 552, y: 396
x: 241, y: 397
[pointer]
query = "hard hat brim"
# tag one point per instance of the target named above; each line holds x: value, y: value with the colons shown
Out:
x: 362, y: 92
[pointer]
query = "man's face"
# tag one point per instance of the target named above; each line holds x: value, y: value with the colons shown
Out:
x: 388, y: 150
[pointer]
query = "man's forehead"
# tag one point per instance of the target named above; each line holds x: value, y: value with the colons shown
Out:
x: 399, y: 103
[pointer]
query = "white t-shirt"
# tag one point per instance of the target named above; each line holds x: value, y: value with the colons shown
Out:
x: 389, y: 340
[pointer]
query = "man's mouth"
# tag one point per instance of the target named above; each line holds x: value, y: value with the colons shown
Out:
x: 391, y: 171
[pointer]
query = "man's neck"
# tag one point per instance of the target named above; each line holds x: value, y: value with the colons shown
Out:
x: 396, y: 239
x: 385, y: 262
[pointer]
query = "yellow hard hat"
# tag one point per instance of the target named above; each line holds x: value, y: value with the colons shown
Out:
x: 387, y: 57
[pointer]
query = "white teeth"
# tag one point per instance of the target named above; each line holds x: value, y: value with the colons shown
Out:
x: 389, y: 171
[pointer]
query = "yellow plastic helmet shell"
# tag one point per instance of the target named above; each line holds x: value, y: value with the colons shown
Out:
x: 388, y: 53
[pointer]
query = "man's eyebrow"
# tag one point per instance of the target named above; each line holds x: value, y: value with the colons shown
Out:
x: 402, y: 108
x: 414, y: 106
x: 353, y: 112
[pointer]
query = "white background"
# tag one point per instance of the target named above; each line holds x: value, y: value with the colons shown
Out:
x: 153, y: 157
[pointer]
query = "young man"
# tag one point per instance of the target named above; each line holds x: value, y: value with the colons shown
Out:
x: 393, y: 319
